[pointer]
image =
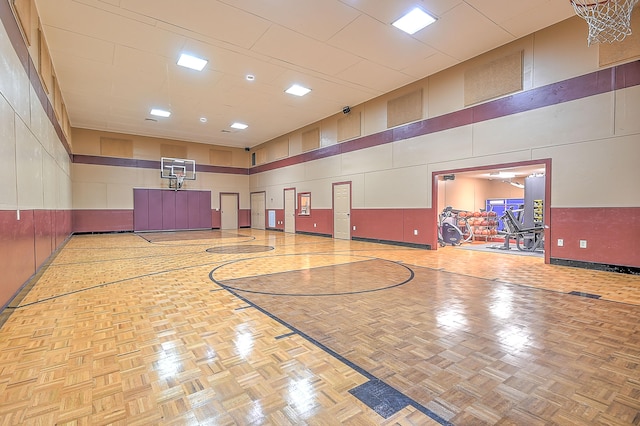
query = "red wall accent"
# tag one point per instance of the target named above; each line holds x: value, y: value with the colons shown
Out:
x: 102, y: 220
x: 612, y: 234
x: 216, y: 219
x: 322, y: 218
x: 26, y: 244
x: 393, y: 225
x: 17, y: 262
x: 244, y: 218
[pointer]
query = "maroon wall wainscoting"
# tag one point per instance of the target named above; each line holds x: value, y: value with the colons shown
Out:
x: 26, y: 244
x: 102, y: 220
x: 612, y: 234
x: 244, y: 218
x: 321, y: 218
x: 393, y: 225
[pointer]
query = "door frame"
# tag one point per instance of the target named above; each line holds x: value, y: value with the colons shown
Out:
x: 547, y: 190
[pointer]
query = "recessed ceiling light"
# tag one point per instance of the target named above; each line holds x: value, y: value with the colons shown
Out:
x: 239, y: 126
x: 203, y: 119
x: 250, y: 77
x: 192, y: 62
x: 297, y: 90
x: 160, y: 112
x: 414, y: 21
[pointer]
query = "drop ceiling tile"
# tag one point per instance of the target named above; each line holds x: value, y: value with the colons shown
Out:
x: 307, y: 54
x: 302, y: 16
x: 380, y: 43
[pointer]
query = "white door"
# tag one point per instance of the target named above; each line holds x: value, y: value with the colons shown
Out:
x: 290, y: 211
x: 342, y: 211
x: 257, y: 210
x: 228, y: 211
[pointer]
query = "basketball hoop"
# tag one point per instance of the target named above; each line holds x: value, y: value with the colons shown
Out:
x: 609, y: 20
x: 176, y: 181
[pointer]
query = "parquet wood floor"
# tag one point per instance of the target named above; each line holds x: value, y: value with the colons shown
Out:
x: 154, y: 329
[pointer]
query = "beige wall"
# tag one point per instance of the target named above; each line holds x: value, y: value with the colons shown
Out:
x: 111, y: 187
x: 588, y: 140
x: 35, y: 172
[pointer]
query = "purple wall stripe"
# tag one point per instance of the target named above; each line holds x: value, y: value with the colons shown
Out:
x: 150, y: 164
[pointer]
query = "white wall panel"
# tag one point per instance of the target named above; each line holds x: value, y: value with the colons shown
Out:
x: 8, y: 191
x: 367, y: 160
x: 580, y: 120
x: 89, y: 195
x: 628, y: 111
x: 28, y: 168
x: 14, y: 82
x: 602, y: 173
x: 435, y: 147
x: 49, y: 181
x: 323, y: 168
x: 399, y: 188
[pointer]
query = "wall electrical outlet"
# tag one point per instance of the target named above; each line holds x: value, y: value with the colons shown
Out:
x: 17, y: 214
x: 315, y: 225
x: 354, y: 227
x: 560, y: 242
x: 583, y: 243
x: 415, y: 232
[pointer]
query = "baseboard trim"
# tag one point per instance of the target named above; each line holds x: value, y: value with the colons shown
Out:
x: 393, y: 243
x: 620, y: 269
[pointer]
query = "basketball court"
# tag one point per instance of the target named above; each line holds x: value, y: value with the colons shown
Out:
x: 253, y: 327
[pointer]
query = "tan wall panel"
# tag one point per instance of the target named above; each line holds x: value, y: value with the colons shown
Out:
x: 25, y: 11
x: 404, y: 109
x: 261, y: 156
x: 311, y: 139
x: 57, y: 100
x: 499, y: 189
x: 561, y: 52
x: 112, y: 147
x: 349, y: 126
x: 173, y: 151
x: 446, y: 92
x: 497, y: 78
x: 45, y: 66
x: 219, y: 157
x: 627, y: 49
x: 277, y: 149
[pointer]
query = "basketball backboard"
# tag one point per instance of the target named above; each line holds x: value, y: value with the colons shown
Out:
x: 172, y: 168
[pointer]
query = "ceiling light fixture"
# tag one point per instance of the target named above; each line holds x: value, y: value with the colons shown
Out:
x: 414, y: 21
x: 297, y: 90
x: 239, y: 126
x: 516, y: 184
x: 160, y: 112
x: 192, y: 62
x: 502, y: 175
x: 203, y: 119
x: 250, y: 77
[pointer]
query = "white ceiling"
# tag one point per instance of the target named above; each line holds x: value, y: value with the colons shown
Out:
x: 116, y: 59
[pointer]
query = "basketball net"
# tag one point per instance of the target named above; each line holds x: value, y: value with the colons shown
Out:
x: 609, y: 20
x: 179, y: 179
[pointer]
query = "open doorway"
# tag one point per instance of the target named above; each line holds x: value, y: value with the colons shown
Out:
x: 470, y: 208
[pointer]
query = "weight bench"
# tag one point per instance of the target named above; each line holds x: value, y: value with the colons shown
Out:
x: 527, y: 239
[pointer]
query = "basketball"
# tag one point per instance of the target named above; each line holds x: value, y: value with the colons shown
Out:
x: 476, y: 214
